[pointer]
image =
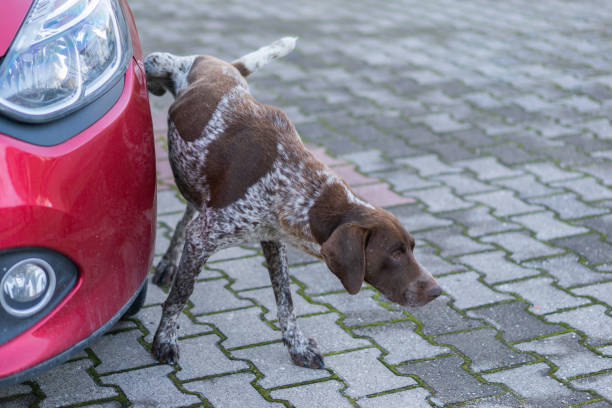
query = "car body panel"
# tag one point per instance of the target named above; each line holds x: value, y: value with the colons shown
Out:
x: 11, y: 18
x: 92, y: 199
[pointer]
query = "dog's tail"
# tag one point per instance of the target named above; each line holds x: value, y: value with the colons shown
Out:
x: 257, y: 59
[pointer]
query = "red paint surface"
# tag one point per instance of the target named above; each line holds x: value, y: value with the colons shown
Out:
x: 12, y: 14
x: 91, y: 198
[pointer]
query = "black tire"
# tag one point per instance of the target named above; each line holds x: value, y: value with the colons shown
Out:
x: 138, y: 302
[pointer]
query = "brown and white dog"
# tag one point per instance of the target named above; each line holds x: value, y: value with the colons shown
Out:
x: 247, y: 176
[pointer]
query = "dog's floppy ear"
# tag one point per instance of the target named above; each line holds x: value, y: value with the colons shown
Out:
x: 344, y: 254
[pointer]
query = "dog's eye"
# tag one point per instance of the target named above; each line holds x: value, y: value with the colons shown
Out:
x: 397, y: 253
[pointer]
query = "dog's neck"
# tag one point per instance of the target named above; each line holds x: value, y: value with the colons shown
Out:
x: 335, y: 206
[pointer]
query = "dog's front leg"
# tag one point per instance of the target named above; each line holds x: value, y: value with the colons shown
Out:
x: 195, y: 253
x: 303, y: 351
x: 166, y: 268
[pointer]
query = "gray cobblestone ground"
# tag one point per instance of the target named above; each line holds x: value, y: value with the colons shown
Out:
x: 491, y: 122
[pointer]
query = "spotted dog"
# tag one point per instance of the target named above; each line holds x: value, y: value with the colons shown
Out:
x: 247, y: 176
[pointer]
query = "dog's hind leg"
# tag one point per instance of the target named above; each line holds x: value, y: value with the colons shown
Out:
x: 303, y: 351
x: 166, y: 268
x: 196, y: 251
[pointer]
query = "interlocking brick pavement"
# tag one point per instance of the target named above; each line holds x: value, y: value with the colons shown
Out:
x: 485, y: 126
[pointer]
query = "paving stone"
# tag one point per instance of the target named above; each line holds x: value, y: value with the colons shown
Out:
x: 109, y: 404
x: 426, y: 255
x: 368, y: 161
x: 375, y: 379
x: 19, y: 402
x: 435, y: 373
x: 468, y: 291
x: 274, y: 362
x: 161, y: 240
x: 484, y: 350
x: 548, y: 172
x: 568, y: 271
x: 496, y: 267
x: 414, y: 398
x: 479, y: 221
x: 546, y: 227
x: 212, y: 296
x: 232, y: 391
x: 69, y: 384
x: 194, y: 366
x: 329, y: 336
x: 440, y: 199
x: 566, y: 352
x: 359, y: 309
x: 526, y: 186
x: 473, y: 138
x: 149, y: 317
x: 150, y: 386
x: 510, y: 154
x: 265, y: 298
x: 168, y: 201
x: 401, y: 180
x: 401, y: 342
x: 381, y: 195
x: 451, y: 151
x: 14, y: 389
x: 567, y: 206
x: 488, y: 168
x: 542, y: 295
x: 590, y: 246
x: 514, y: 322
x: 351, y: 176
x: 464, y: 184
x: 230, y: 253
x: 132, y: 353
x: 532, y: 103
x: 242, y: 327
x: 601, y: 127
x: 601, y: 224
x: 428, y: 165
x: 452, y: 243
x: 424, y: 221
x: 591, y: 320
x: 503, y: 401
x: 601, y: 291
x: 247, y: 272
x: 317, y: 278
x: 483, y: 100
x: 437, y: 317
x: 318, y: 394
x: 533, y: 383
x: 521, y: 246
x: 504, y: 203
x: 601, y: 384
x: 602, y: 171
x: 297, y: 257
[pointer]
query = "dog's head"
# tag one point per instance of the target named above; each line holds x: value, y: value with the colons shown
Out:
x: 377, y: 249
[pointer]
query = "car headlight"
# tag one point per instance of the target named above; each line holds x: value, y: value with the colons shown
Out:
x: 66, y: 53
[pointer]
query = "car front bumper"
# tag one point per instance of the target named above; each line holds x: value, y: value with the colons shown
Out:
x: 92, y: 199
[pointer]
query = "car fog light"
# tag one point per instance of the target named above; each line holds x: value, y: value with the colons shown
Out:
x: 27, y: 287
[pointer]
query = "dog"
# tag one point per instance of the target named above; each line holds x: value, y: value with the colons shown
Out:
x: 246, y: 176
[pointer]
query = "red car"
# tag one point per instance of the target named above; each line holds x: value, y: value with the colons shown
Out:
x: 77, y: 178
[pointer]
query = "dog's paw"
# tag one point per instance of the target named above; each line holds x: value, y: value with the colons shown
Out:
x: 165, y: 351
x: 307, y: 354
x: 164, y: 273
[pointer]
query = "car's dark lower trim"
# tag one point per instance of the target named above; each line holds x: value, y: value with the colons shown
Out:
x: 65, y: 355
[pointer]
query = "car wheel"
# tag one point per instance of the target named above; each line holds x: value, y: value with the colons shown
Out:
x: 138, y: 302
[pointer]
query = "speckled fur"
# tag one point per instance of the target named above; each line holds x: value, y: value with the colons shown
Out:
x: 274, y: 209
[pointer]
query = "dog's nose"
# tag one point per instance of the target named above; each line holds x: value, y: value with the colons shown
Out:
x: 434, y: 292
